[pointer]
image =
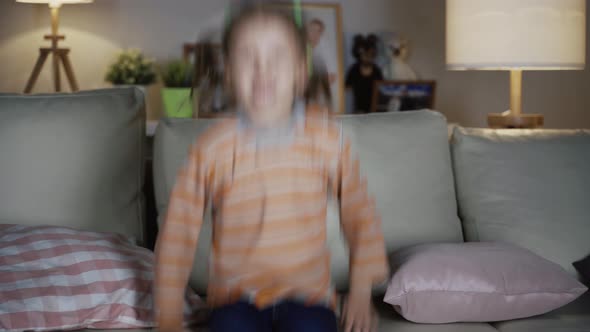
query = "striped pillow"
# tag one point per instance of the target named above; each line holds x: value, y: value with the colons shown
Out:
x: 55, y: 278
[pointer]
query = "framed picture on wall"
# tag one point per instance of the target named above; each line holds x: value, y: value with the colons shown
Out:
x: 394, y: 96
x: 323, y: 26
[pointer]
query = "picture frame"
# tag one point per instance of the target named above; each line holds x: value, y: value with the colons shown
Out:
x: 393, y: 96
x: 329, y: 48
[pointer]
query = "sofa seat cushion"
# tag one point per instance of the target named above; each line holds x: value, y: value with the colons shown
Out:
x: 526, y: 187
x: 574, y: 317
x: 389, y: 321
x: 124, y: 330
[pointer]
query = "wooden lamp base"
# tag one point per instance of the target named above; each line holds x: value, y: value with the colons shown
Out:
x: 521, y: 121
x: 514, y: 118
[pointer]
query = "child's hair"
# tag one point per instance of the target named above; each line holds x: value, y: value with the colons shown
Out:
x: 257, y: 11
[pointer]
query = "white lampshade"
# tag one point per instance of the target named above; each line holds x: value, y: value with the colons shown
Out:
x: 55, y: 3
x: 516, y: 34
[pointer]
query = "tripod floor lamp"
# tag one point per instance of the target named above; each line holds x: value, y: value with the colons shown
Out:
x: 59, y: 55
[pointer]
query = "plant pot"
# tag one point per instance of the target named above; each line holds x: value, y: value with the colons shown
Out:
x: 178, y: 102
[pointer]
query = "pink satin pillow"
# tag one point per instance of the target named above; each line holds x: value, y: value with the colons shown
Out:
x: 476, y: 282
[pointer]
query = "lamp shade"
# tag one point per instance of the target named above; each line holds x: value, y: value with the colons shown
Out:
x: 55, y: 3
x: 516, y: 34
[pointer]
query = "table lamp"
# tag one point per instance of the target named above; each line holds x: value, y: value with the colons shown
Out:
x: 515, y: 35
x: 58, y: 53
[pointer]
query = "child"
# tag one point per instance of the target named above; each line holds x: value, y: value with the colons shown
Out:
x: 267, y: 174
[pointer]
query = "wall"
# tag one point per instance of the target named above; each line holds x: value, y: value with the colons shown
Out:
x: 96, y: 31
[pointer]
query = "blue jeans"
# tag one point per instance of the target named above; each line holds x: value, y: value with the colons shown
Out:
x: 286, y: 316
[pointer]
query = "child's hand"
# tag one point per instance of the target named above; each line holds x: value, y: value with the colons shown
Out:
x: 358, y: 312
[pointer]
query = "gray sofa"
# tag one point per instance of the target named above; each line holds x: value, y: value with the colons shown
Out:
x: 77, y: 160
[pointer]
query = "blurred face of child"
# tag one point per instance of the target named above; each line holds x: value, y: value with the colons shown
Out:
x: 265, y: 69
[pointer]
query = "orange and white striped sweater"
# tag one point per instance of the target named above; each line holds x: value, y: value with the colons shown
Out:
x: 269, y: 191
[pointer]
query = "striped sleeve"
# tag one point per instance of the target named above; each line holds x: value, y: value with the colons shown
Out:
x: 177, y: 240
x: 360, y: 224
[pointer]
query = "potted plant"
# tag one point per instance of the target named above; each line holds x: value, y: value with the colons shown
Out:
x: 177, y: 77
x: 132, y: 68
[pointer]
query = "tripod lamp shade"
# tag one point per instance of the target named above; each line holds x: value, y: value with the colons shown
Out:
x: 55, y: 3
x: 516, y: 34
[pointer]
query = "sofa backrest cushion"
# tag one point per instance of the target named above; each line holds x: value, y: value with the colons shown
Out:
x: 74, y: 160
x: 405, y: 157
x: 526, y: 187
